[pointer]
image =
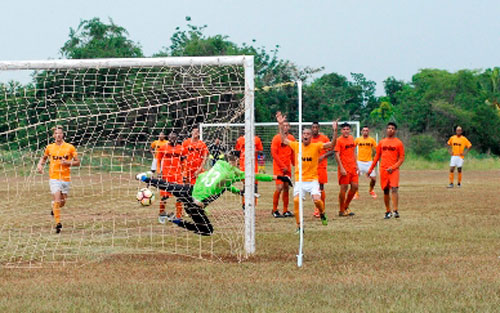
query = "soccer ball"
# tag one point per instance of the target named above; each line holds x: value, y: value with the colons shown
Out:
x: 145, y: 196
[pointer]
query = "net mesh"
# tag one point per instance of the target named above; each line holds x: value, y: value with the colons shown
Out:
x: 111, y: 116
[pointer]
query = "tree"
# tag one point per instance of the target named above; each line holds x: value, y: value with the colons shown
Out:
x: 95, y: 39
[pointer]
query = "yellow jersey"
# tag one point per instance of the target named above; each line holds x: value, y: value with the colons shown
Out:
x: 365, y: 148
x: 157, y: 144
x: 458, y: 145
x: 310, y: 159
x: 56, y: 153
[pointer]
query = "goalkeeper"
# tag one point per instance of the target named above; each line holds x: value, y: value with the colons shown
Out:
x: 209, y: 186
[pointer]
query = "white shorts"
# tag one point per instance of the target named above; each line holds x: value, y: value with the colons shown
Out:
x: 57, y: 185
x: 153, y: 165
x: 456, y: 161
x: 311, y: 187
x: 364, y: 166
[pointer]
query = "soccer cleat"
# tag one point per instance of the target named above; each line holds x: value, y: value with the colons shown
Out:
x: 396, y: 214
x: 297, y: 231
x: 162, y: 217
x: 324, y: 220
x: 450, y: 186
x: 356, y: 196
x: 388, y: 215
x: 348, y: 212
x: 343, y: 214
x: 459, y: 185
x: 288, y: 214
x: 58, y: 228
x: 52, y: 212
x: 373, y: 194
x: 277, y: 214
x: 316, y: 212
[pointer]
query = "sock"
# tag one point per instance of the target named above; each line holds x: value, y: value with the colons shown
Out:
x: 162, y: 207
x: 451, y: 177
x: 286, y: 200
x: 296, y: 209
x: 57, y: 212
x: 276, y: 199
x: 323, y: 197
x: 320, y: 205
x: 459, y: 177
x: 178, y: 209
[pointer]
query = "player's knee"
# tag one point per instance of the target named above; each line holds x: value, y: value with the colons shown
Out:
x: 394, y: 189
x: 452, y: 169
x: 386, y: 191
x: 321, y: 187
x: 343, y: 188
x: 354, y: 187
x: 459, y: 169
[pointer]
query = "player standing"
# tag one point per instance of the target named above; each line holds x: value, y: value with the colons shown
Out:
x: 391, y: 153
x: 170, y: 158
x: 216, y: 150
x: 282, y: 165
x: 366, y: 145
x: 62, y: 156
x: 240, y: 147
x: 459, y: 146
x: 323, y: 162
x: 155, y: 146
x: 345, y: 155
x: 310, y: 159
x: 209, y: 186
x: 196, y: 155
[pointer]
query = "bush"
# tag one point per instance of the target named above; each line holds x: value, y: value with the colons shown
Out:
x: 423, y: 145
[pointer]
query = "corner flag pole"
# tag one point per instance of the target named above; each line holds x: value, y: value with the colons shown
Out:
x: 298, y: 182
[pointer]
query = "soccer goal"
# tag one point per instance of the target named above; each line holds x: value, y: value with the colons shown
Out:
x: 111, y: 110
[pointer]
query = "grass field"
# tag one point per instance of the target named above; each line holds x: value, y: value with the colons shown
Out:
x: 442, y: 255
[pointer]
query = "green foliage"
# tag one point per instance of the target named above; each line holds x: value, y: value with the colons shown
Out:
x: 423, y: 144
x: 95, y: 39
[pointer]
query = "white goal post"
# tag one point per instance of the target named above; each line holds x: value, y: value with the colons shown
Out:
x: 112, y: 109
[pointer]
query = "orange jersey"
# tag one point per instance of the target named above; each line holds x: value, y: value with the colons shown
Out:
x: 282, y: 154
x: 157, y: 144
x: 365, y: 148
x: 324, y: 139
x: 310, y: 160
x: 240, y: 146
x: 170, y: 159
x: 195, y: 153
x: 345, y: 147
x: 458, y: 145
x: 389, y: 150
x: 56, y: 153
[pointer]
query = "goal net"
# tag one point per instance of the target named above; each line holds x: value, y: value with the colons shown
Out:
x: 111, y: 111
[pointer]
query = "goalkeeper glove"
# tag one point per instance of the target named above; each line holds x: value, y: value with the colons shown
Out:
x: 285, y: 179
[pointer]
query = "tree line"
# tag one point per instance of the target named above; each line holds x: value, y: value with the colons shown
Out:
x: 427, y: 108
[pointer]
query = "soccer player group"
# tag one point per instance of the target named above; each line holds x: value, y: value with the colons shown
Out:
x: 181, y: 170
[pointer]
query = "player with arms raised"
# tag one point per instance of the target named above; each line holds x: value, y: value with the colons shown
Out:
x: 459, y: 146
x: 282, y: 165
x: 62, y: 156
x: 209, y: 186
x: 391, y: 153
x: 310, y: 159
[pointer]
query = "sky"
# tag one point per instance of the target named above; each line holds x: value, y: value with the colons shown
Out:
x: 377, y: 38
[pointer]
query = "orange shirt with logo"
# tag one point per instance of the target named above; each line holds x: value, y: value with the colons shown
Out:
x: 345, y: 147
x: 240, y: 146
x: 195, y: 153
x: 310, y: 160
x: 365, y: 148
x: 458, y: 145
x: 170, y: 159
x: 282, y: 154
x: 56, y: 153
x: 324, y: 139
x: 389, y: 150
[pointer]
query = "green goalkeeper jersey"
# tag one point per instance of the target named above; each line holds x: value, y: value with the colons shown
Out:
x: 220, y: 177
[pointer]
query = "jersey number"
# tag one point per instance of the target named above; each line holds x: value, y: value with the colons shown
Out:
x: 210, y: 178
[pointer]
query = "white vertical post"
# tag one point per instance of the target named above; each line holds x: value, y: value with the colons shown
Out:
x: 249, y: 156
x: 298, y: 181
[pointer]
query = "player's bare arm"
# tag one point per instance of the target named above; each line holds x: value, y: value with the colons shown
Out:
x: 332, y: 143
x: 343, y: 172
x: 326, y: 155
x: 396, y: 165
x: 74, y: 162
x: 280, y: 118
x: 41, y: 163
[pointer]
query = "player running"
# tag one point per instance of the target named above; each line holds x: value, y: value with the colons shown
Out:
x: 155, y: 146
x: 323, y: 162
x: 62, y: 156
x: 196, y: 155
x: 170, y: 158
x: 282, y: 165
x: 345, y: 154
x: 209, y: 186
x: 310, y: 159
x: 366, y: 146
x: 459, y: 146
x: 391, y: 153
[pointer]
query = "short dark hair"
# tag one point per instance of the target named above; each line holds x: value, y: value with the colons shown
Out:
x: 345, y: 125
x: 315, y: 123
x: 392, y: 124
x: 233, y: 155
x: 365, y: 126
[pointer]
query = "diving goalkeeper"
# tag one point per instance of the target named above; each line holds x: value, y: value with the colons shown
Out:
x: 209, y: 186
